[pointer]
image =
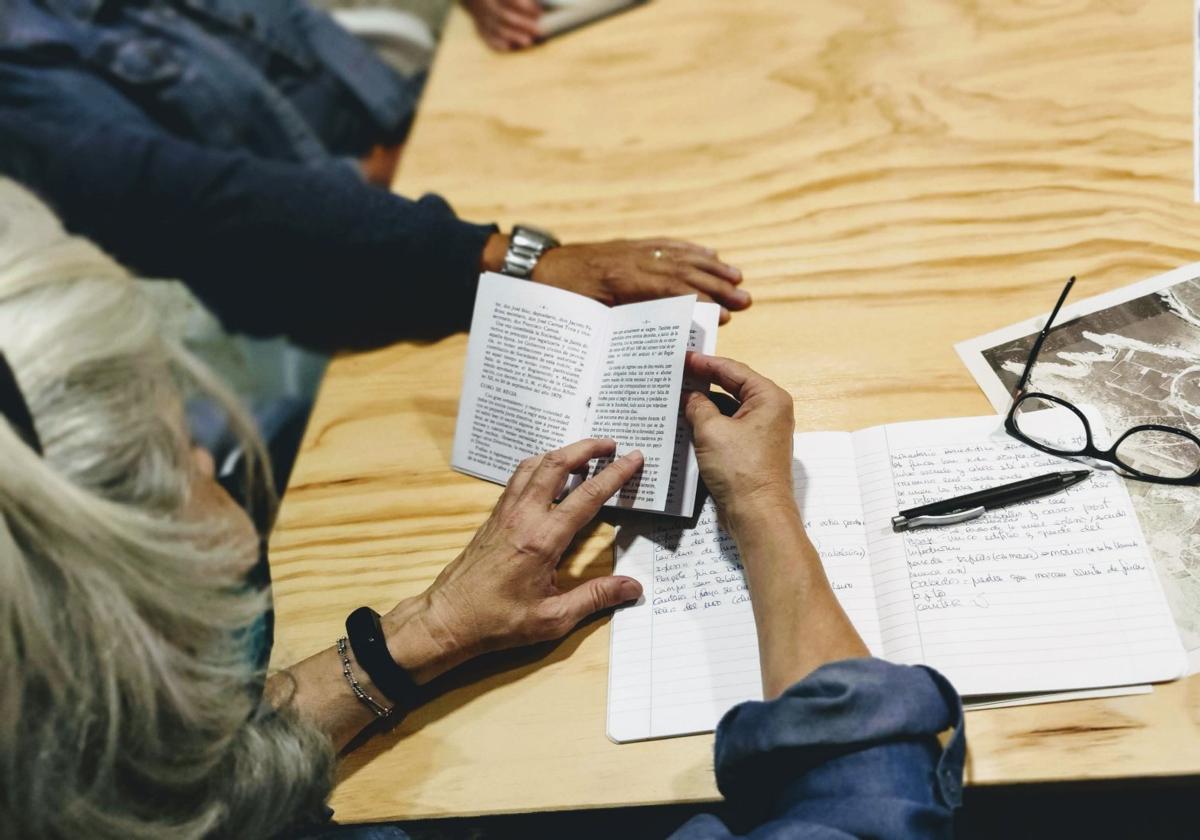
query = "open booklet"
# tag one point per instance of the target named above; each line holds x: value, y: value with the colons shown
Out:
x: 546, y: 367
x: 1053, y: 594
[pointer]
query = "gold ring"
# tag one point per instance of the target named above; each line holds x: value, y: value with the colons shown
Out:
x: 658, y: 253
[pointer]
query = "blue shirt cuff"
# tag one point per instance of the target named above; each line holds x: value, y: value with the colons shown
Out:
x: 853, y: 735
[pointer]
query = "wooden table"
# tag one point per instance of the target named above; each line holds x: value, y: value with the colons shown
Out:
x: 892, y: 177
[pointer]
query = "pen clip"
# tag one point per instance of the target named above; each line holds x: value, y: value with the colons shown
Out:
x: 900, y: 523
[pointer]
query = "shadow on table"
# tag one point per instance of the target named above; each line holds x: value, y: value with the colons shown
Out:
x: 451, y: 692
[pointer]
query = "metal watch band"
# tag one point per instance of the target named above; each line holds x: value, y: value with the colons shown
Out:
x: 525, y: 247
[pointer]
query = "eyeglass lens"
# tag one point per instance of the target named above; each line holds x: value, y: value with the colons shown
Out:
x: 1153, y: 452
x: 1159, y: 453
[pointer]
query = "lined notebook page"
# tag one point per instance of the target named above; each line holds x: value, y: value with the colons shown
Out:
x: 687, y: 652
x: 1056, y: 593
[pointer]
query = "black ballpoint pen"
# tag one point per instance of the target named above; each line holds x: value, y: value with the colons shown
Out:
x: 962, y: 508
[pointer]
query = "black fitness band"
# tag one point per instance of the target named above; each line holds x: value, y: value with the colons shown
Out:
x: 365, y: 632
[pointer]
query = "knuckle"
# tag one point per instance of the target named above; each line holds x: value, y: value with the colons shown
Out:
x: 537, y: 543
x: 551, y: 619
x: 554, y: 459
x: 592, y: 490
x: 596, y: 599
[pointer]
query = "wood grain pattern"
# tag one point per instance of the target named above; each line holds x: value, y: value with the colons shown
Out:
x: 892, y: 177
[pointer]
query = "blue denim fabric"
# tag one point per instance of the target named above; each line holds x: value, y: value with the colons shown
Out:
x: 280, y: 79
x: 849, y: 751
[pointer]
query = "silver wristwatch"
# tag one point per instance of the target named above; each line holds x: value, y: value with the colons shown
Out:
x: 525, y: 248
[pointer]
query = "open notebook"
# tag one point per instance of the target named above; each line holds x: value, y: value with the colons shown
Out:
x: 1050, y: 595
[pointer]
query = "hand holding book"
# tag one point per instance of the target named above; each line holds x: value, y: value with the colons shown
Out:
x: 503, y: 590
x: 746, y: 459
x: 746, y: 463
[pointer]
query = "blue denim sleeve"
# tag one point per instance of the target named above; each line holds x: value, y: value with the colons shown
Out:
x: 272, y: 247
x: 852, y: 750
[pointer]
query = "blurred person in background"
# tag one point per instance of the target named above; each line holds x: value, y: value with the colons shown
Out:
x: 241, y: 147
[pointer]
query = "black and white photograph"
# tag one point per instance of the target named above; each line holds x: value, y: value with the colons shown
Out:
x: 1128, y: 358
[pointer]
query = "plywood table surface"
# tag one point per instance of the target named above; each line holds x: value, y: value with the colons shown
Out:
x: 892, y: 177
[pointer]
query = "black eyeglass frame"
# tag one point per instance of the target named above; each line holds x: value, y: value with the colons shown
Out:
x: 1089, y: 450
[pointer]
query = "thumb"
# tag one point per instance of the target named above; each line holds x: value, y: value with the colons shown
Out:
x: 699, y: 408
x: 598, y: 594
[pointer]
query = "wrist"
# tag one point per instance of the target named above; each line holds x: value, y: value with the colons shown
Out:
x: 544, y: 271
x: 418, y: 643
x: 494, y: 250
x: 762, y: 512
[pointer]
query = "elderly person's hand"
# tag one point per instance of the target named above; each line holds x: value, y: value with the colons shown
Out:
x: 746, y: 459
x: 642, y: 269
x: 746, y: 463
x: 502, y: 591
x: 629, y: 270
x: 506, y: 24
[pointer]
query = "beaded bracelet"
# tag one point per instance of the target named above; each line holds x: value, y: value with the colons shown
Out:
x: 365, y: 698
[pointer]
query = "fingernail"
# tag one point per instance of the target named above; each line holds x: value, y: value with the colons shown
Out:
x: 633, y: 455
x: 742, y: 296
x: 631, y: 590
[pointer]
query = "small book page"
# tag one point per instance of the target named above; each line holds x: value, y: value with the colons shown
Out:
x: 685, y: 472
x: 688, y: 651
x: 531, y: 360
x: 1051, y: 594
x: 636, y: 400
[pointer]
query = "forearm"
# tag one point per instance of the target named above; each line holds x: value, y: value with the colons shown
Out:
x: 317, y: 689
x: 800, y: 623
x: 272, y: 247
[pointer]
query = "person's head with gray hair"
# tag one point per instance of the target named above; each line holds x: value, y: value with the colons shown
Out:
x: 129, y: 704
x: 133, y: 699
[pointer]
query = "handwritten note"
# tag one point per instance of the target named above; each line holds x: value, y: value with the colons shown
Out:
x: 1047, y: 595
x: 1050, y: 594
x: 688, y: 651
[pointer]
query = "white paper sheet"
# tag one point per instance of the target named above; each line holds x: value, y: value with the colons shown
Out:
x: 1127, y: 357
x: 1048, y: 595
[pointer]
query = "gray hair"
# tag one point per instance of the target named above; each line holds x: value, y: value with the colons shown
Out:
x: 129, y: 704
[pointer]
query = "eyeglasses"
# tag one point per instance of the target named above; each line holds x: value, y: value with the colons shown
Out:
x: 1151, y: 452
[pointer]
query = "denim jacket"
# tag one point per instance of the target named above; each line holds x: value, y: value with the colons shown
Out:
x: 275, y: 78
